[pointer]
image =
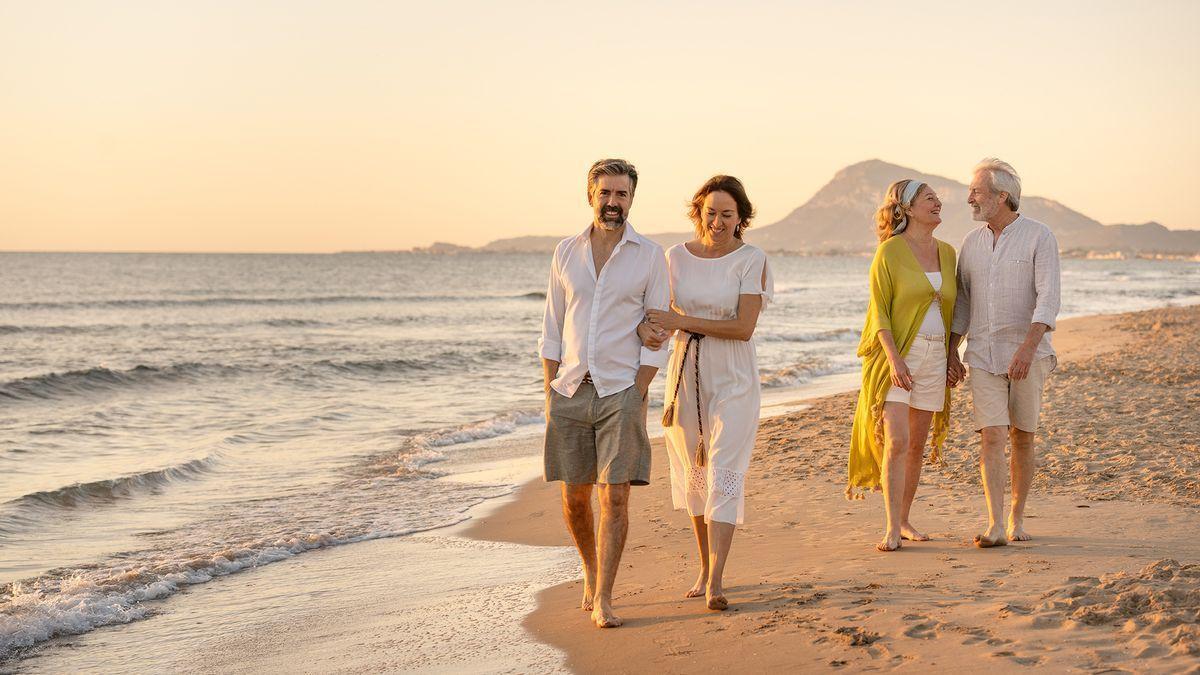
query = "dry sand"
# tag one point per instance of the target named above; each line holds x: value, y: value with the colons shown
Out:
x: 1109, y: 582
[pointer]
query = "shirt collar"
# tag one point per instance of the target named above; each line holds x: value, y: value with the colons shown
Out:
x: 629, y: 235
x: 1010, y: 226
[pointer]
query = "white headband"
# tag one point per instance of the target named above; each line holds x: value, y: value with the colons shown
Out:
x: 906, y: 197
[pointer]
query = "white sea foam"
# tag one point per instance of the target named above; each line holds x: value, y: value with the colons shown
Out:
x: 476, y: 431
x: 265, y: 531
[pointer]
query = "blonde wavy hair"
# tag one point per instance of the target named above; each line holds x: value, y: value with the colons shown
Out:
x: 892, y: 211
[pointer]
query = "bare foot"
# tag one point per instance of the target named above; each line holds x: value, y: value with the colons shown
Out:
x: 716, y: 599
x: 604, y: 617
x: 586, y: 604
x: 992, y: 538
x: 907, y: 531
x: 697, y: 588
x: 891, y: 542
x: 1016, y: 531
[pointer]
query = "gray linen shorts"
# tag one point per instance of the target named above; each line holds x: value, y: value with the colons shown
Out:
x: 593, y: 439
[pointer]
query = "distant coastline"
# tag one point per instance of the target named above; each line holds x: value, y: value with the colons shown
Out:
x: 819, y: 225
x: 444, y: 248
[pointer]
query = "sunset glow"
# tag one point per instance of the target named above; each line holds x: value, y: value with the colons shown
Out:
x: 309, y: 126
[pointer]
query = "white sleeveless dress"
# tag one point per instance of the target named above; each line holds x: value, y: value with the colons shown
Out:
x: 708, y: 288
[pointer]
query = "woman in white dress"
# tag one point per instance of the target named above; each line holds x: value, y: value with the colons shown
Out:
x: 719, y: 285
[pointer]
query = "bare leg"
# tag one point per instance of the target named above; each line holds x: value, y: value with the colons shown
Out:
x: 577, y: 511
x: 991, y: 466
x: 720, y: 538
x: 895, y: 456
x: 1022, y: 466
x: 918, y: 431
x: 614, y: 526
x: 701, y: 531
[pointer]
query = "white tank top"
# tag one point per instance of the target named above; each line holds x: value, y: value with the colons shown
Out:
x: 932, y: 324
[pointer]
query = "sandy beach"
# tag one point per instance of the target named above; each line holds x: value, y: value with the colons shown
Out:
x: 1110, y: 581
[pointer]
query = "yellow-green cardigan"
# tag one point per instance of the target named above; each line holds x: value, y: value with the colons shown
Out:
x: 900, y: 296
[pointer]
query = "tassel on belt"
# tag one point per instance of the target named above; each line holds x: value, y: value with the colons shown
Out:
x: 669, y: 417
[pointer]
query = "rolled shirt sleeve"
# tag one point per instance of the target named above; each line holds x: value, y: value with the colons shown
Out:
x: 1047, y: 280
x: 550, y: 341
x: 962, y: 302
x: 658, y: 296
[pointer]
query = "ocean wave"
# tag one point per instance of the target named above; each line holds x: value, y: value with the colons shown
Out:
x: 294, y: 323
x: 535, y: 295
x: 19, y: 513
x: 62, y: 330
x: 60, y: 385
x: 477, y: 431
x: 76, y: 601
x: 794, y: 376
x: 421, y: 450
x: 135, y: 303
x: 75, y: 382
x: 233, y: 300
x: 839, y: 334
x: 377, y: 366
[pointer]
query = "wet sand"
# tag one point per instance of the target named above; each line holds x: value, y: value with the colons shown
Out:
x: 1109, y: 582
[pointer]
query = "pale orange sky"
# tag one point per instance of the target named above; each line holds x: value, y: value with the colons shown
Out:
x: 325, y: 126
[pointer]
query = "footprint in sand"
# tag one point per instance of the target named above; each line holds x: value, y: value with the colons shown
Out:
x: 925, y: 630
x: 1022, y: 660
x: 854, y: 636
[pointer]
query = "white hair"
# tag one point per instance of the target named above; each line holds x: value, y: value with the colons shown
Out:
x: 1003, y: 178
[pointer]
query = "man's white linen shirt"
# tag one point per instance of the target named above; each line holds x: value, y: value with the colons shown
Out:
x: 1005, y: 288
x: 590, y: 323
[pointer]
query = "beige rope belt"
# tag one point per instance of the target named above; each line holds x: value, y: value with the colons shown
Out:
x: 669, y: 412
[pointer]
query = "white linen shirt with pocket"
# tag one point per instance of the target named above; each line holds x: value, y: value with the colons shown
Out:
x: 1004, y: 289
x: 590, y: 322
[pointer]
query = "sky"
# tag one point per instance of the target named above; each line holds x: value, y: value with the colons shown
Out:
x: 328, y: 126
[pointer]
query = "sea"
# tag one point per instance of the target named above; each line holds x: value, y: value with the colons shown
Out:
x: 173, y: 422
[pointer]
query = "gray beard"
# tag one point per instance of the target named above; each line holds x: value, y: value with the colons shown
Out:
x: 608, y: 225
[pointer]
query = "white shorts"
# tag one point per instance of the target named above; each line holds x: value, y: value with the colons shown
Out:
x: 926, y: 361
x: 999, y: 402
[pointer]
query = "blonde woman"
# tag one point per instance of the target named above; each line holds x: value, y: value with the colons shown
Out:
x: 904, y: 349
x: 719, y: 284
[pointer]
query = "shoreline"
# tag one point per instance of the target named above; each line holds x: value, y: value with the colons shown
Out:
x: 808, y: 589
x: 344, y: 607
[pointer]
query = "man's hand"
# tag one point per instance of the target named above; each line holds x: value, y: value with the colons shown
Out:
x: 645, y: 376
x: 652, y: 336
x: 1019, y: 368
x: 549, y: 372
x: 956, y: 372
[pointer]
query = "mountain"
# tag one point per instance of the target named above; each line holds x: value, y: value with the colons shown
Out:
x: 840, y: 218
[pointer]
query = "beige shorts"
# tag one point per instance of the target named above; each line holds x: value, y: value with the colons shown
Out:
x: 594, y: 439
x: 1001, y: 403
x: 926, y: 361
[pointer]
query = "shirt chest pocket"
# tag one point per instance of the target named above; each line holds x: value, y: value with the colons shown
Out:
x: 1017, y: 273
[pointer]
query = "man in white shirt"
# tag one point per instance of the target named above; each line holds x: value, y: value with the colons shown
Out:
x: 1008, y: 301
x: 597, y: 374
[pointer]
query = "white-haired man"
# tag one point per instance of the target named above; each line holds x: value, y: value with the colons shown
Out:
x: 1008, y: 300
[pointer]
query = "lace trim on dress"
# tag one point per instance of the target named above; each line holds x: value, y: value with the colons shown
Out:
x: 697, y: 480
x: 728, y: 482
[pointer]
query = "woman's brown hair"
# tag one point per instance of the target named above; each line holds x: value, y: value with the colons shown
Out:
x: 730, y: 186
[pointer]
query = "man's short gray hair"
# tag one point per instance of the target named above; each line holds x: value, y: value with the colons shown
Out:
x: 1003, y: 178
x: 611, y: 167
